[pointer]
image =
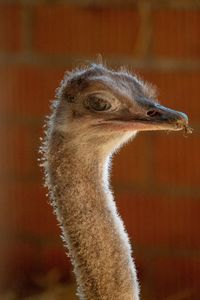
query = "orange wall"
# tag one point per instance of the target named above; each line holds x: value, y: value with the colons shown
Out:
x: 156, y: 177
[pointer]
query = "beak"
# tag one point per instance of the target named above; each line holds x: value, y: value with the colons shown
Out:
x: 153, y: 116
x: 159, y: 117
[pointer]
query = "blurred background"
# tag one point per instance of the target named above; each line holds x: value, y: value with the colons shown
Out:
x: 155, y: 178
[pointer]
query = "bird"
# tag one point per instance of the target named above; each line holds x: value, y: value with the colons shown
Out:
x: 96, y: 111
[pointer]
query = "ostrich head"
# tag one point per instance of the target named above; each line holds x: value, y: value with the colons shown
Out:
x: 96, y: 106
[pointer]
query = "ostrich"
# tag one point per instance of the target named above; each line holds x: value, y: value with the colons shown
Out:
x: 96, y: 111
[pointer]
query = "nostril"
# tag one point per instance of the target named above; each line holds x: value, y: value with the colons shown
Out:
x: 153, y: 113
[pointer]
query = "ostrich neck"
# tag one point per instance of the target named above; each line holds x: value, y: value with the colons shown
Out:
x: 94, y: 233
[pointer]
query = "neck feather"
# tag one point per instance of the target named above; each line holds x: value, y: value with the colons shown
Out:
x: 92, y: 229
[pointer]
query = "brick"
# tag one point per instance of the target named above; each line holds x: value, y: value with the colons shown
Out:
x: 27, y: 91
x: 19, y: 260
x: 28, y: 265
x: 176, y: 33
x: 20, y: 149
x: 129, y: 166
x: 85, y: 31
x: 10, y: 28
x: 178, y: 90
x: 17, y: 152
x: 176, y: 160
x: 54, y: 257
x: 26, y: 212
x: 161, y: 222
x: 176, y: 277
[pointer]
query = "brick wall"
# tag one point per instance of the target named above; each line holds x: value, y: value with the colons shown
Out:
x: 159, y: 195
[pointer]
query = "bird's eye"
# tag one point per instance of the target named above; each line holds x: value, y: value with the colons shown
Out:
x: 98, y: 104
